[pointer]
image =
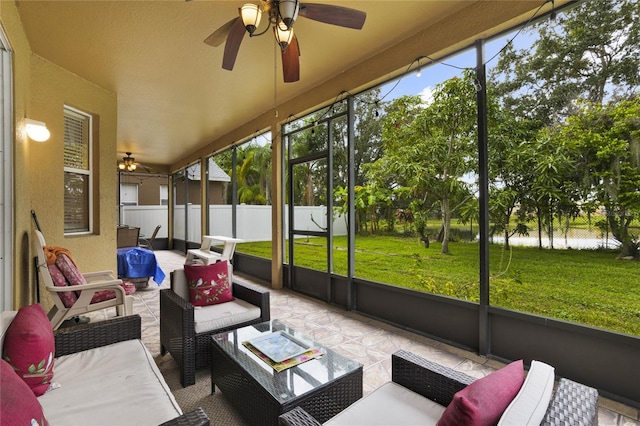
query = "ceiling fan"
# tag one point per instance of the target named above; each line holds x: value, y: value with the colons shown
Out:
x: 129, y: 164
x: 282, y: 14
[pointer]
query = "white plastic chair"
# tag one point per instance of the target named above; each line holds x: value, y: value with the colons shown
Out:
x: 96, y: 281
x: 208, y: 256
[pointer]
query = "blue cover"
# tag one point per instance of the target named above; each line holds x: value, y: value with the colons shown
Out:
x: 136, y: 262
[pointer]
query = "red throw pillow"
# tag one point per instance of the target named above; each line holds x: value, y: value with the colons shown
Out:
x: 68, y: 297
x: 29, y: 347
x: 18, y: 405
x: 209, y: 284
x: 484, y: 401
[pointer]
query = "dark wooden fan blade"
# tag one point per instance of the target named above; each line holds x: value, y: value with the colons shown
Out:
x: 146, y: 168
x: 220, y: 35
x: 291, y: 61
x: 335, y: 15
x: 236, y: 33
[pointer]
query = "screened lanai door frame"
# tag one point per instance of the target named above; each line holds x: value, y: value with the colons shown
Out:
x: 318, y: 282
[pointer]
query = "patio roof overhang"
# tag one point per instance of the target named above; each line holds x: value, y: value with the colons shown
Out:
x: 175, y: 102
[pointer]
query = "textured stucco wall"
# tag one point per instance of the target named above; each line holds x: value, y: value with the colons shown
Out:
x: 23, y: 290
x: 41, y: 89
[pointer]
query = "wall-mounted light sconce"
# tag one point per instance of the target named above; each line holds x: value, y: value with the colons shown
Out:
x: 37, y: 130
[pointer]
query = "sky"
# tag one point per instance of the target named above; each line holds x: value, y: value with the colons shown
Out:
x: 432, y: 74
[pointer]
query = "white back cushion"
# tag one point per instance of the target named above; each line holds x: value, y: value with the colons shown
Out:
x: 5, y: 319
x: 530, y: 404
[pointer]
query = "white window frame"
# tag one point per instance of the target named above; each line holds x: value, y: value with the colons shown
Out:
x: 126, y: 200
x: 89, y: 172
x: 164, y: 191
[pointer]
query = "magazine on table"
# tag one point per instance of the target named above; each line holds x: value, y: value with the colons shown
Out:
x: 279, y: 346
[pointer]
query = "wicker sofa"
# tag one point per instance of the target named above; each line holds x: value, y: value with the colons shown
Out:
x: 425, y: 386
x: 104, y: 375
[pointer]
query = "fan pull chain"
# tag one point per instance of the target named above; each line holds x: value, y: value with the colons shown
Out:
x: 275, y: 79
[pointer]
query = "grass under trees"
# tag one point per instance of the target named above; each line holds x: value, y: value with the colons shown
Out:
x: 589, y: 287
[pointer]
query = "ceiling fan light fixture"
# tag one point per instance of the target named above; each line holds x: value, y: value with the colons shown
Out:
x: 128, y: 163
x: 283, y: 35
x: 251, y: 15
x: 288, y: 12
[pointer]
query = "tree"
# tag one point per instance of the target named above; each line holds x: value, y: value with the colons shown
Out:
x: 429, y: 148
x: 551, y: 188
x: 606, y: 140
x: 592, y: 52
x: 368, y: 113
x: 586, y: 58
x: 510, y: 170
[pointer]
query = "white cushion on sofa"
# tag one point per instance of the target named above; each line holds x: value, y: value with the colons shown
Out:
x: 121, y: 379
x: 530, y: 404
x: 214, y: 317
x: 390, y: 404
x: 5, y: 320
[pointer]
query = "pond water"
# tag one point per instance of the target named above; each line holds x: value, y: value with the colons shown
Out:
x: 576, y: 243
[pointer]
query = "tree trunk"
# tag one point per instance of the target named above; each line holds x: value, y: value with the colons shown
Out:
x: 539, y: 229
x: 506, y: 237
x: 446, y: 225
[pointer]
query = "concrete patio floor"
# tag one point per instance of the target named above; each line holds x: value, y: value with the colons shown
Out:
x: 365, y: 340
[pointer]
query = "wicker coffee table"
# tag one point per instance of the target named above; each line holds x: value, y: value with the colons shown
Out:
x: 323, y: 386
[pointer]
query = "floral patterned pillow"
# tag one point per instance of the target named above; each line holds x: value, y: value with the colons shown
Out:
x: 69, y: 270
x: 18, y: 405
x: 29, y: 347
x: 209, y: 284
x: 68, y: 297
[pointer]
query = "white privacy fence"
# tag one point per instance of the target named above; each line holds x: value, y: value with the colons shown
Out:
x: 253, y: 222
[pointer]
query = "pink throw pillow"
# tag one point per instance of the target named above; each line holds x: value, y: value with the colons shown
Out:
x: 209, y: 284
x: 484, y: 401
x: 102, y: 295
x: 68, y: 297
x: 18, y: 405
x: 69, y: 270
x: 29, y: 347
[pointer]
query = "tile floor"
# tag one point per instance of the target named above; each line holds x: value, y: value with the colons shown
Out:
x: 368, y: 341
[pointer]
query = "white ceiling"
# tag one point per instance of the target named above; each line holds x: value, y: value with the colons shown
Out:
x: 173, y: 95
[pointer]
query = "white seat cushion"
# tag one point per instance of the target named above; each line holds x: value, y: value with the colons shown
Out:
x: 213, y: 317
x: 118, y: 384
x: 390, y: 404
x: 530, y: 404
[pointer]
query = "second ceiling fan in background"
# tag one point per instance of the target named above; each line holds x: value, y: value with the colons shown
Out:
x: 281, y: 15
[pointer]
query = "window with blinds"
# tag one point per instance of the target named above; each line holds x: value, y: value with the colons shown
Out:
x: 129, y: 194
x: 77, y: 172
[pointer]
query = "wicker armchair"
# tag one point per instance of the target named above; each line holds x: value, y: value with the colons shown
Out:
x: 94, y: 335
x: 191, y: 349
x: 572, y: 403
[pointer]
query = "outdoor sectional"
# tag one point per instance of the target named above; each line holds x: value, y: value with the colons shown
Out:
x: 101, y: 374
x: 420, y: 390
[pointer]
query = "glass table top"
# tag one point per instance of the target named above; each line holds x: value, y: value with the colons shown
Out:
x: 292, y: 382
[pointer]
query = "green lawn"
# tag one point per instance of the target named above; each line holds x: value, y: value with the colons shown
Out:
x: 588, y: 287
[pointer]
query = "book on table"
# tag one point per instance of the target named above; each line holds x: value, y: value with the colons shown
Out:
x: 279, y: 346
